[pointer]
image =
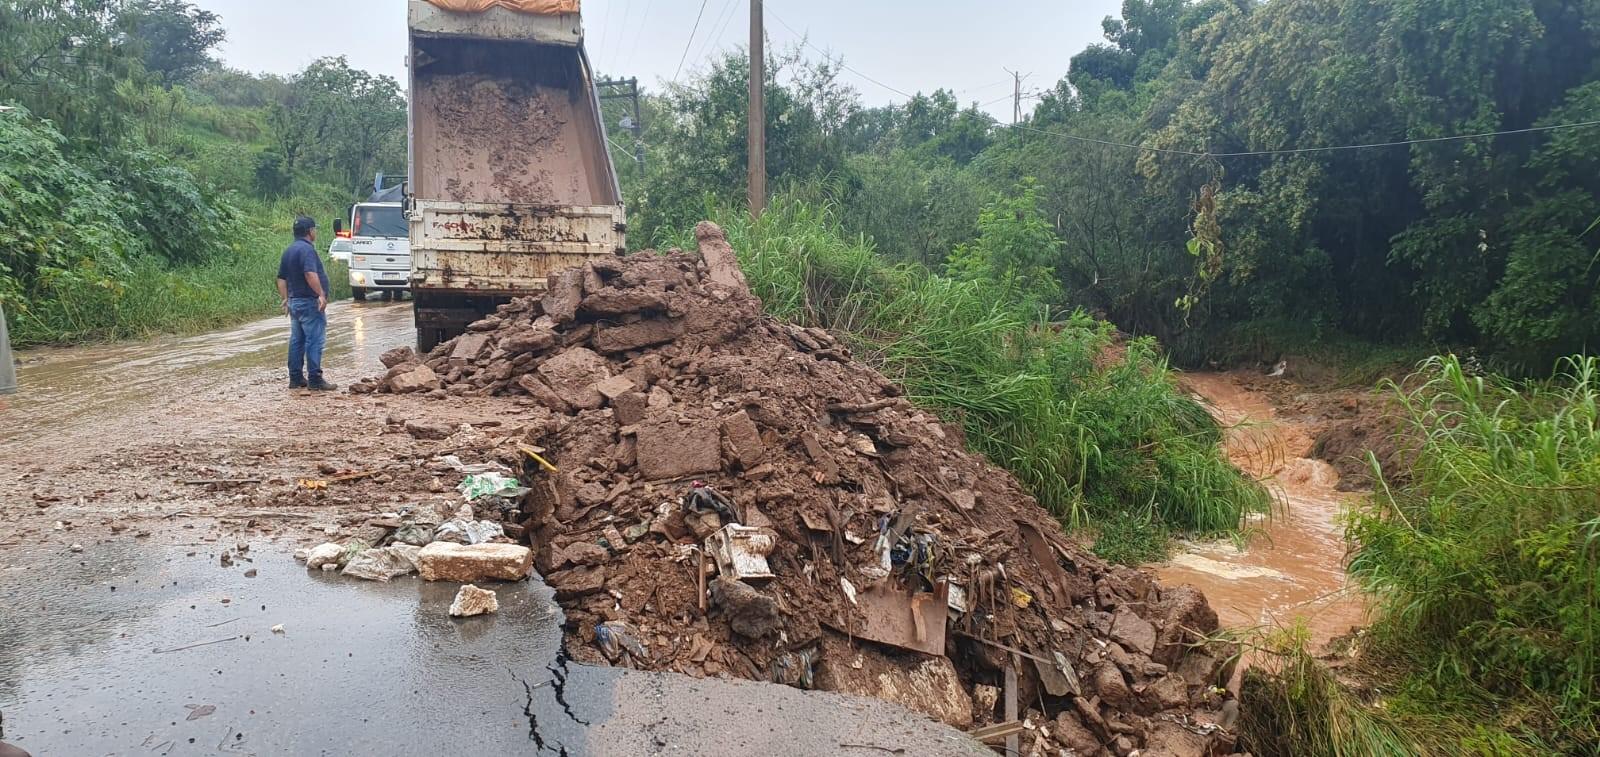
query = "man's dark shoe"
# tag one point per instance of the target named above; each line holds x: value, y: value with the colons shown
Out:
x: 297, y: 385
x: 321, y: 386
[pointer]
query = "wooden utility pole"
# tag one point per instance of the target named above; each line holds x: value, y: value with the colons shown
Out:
x: 1016, y: 97
x: 758, y: 111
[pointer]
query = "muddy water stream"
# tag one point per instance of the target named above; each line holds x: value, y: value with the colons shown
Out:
x: 1291, y: 567
x: 57, y: 386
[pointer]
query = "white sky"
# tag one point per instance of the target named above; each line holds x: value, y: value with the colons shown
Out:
x: 909, y: 45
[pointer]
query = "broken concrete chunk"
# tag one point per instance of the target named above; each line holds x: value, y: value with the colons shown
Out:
x: 566, y: 291
x: 398, y: 356
x: 615, y: 302
x: 324, y: 554
x: 419, y: 378
x: 429, y: 431
x: 383, y: 564
x: 615, y: 387
x: 630, y: 408
x: 721, y: 262
x: 472, y: 600
x: 468, y: 347
x: 1133, y: 632
x: 543, y: 394
x: 443, y: 561
x: 574, y: 374
x: 637, y: 335
x: 528, y: 340
x: 668, y: 449
x: 578, y: 582
x: 743, y: 439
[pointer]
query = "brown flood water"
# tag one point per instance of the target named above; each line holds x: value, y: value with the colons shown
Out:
x: 1292, y: 567
x: 60, y: 387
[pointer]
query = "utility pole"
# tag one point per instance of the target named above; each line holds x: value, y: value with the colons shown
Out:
x: 635, y: 124
x: 1016, y: 96
x: 758, y: 111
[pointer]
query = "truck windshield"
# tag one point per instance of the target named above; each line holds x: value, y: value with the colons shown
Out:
x: 379, y: 221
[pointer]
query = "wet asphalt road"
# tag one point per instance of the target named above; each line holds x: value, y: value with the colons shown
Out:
x: 128, y: 648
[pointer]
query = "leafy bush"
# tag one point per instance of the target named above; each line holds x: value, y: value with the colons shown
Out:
x: 1088, y: 425
x: 1486, y: 567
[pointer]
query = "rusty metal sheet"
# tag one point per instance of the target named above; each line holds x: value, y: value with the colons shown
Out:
x: 477, y: 247
x: 901, y: 619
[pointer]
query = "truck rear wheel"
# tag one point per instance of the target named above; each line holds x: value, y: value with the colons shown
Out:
x: 427, y: 339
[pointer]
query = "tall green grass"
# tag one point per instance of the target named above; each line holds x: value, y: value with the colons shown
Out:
x: 1291, y: 705
x: 1486, y: 566
x: 1092, y: 427
x: 233, y: 285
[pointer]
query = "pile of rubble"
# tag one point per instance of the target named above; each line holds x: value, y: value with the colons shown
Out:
x: 714, y: 492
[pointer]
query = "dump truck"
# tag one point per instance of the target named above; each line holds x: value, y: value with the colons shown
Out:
x: 510, y: 180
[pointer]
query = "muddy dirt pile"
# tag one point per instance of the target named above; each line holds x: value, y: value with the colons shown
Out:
x: 717, y: 493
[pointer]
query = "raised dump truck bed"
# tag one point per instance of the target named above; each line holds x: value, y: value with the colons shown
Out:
x: 510, y: 179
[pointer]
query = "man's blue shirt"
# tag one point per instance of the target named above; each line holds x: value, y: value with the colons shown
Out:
x: 298, y: 260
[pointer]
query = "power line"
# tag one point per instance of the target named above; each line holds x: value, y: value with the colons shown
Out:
x: 718, y: 28
x: 622, y: 30
x: 687, y: 45
x: 644, y: 23
x: 1304, y: 150
x: 807, y: 43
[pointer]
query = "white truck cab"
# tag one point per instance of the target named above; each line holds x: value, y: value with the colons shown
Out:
x: 377, y: 248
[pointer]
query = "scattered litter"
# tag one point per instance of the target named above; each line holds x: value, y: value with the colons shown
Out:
x: 741, y: 551
x: 76, y: 548
x: 197, y: 711
x: 278, y: 629
x: 797, y: 669
x: 488, y: 484
x: 469, y: 532
x: 471, y: 601
x: 619, y: 643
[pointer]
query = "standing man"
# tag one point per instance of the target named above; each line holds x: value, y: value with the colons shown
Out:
x: 303, y: 287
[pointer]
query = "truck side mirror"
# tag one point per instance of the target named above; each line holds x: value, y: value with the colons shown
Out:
x: 338, y: 226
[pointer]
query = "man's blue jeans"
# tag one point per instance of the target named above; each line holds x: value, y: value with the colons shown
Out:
x: 308, y: 333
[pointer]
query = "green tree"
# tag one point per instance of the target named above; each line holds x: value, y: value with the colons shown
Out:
x: 174, y: 37
x: 340, y: 123
x: 1015, y: 247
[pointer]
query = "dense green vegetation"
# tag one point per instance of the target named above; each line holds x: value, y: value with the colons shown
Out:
x: 1486, y: 243
x: 145, y: 189
x: 1095, y: 429
x: 1486, y: 566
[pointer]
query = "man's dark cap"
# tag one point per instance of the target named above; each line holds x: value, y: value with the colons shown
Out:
x: 303, y: 226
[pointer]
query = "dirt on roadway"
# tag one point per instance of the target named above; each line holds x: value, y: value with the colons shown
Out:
x: 109, y: 551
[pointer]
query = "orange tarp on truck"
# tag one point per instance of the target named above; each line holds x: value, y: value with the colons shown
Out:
x: 537, y: 7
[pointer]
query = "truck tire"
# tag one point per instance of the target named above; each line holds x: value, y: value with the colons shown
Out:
x: 358, y: 294
x: 427, y: 339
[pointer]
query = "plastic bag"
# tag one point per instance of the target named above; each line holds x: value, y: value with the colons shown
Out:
x: 536, y: 7
x: 488, y: 484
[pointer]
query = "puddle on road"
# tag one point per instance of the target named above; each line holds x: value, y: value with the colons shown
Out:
x: 1293, y: 569
x: 57, y: 385
x: 130, y: 649
x: 362, y: 667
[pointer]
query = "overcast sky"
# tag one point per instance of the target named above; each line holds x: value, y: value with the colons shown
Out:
x: 909, y: 45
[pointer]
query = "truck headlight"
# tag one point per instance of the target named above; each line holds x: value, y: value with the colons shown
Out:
x: 361, y: 258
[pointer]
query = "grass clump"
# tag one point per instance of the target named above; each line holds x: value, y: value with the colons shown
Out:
x: 1485, y: 566
x: 1088, y: 424
x: 1291, y: 704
